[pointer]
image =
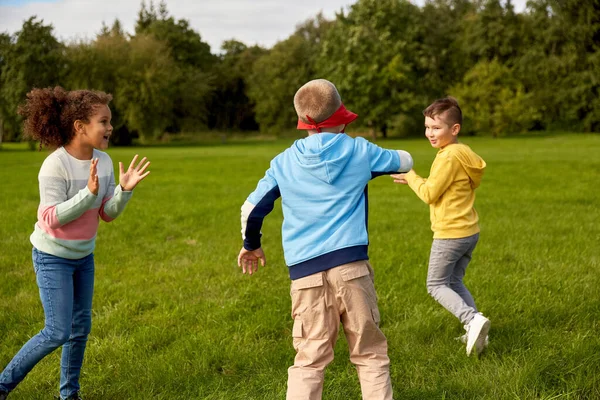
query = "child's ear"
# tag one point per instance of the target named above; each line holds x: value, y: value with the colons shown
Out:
x: 79, y: 126
x: 455, y: 129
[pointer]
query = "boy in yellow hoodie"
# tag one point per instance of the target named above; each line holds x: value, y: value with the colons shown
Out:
x: 450, y: 192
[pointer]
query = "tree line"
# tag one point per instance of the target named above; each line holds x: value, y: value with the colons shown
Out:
x: 512, y: 72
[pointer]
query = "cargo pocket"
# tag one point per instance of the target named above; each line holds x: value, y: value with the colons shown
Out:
x: 297, y: 333
x: 376, y: 316
x: 305, y: 292
x: 308, y: 309
x: 354, y: 271
x: 311, y: 281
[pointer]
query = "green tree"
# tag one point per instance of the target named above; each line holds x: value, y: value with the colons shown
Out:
x: 491, y: 31
x: 31, y: 58
x: 187, y: 47
x: 579, y: 86
x: 146, y: 89
x: 231, y: 108
x: 370, y: 55
x: 194, y: 65
x: 560, y: 66
x: 5, y: 44
x: 139, y: 72
x: 494, y: 101
x: 102, y: 65
x: 441, y: 57
x: 278, y: 74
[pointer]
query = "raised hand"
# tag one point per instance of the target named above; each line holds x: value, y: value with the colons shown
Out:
x: 134, y: 174
x: 93, y: 184
x: 248, y: 260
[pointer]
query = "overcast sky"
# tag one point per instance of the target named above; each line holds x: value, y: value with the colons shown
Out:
x: 263, y: 22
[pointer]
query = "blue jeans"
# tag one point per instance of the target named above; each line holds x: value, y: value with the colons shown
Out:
x: 447, y: 267
x: 66, y: 289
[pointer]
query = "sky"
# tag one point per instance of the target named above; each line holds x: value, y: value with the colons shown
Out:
x: 262, y: 22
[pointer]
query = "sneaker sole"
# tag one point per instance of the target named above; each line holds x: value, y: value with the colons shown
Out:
x: 479, y: 342
x: 463, y: 340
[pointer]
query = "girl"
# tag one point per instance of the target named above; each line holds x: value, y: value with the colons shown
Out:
x: 77, y: 187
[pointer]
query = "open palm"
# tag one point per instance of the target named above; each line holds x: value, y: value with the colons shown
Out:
x: 134, y: 174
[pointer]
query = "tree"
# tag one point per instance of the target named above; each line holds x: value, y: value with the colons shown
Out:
x: 32, y: 58
x: 231, y: 108
x: 494, y: 101
x: 145, y: 93
x: 278, y: 74
x: 139, y: 72
x: 441, y: 59
x: 194, y: 64
x: 560, y: 66
x: 102, y: 65
x: 370, y: 55
x: 187, y: 47
x: 492, y: 31
x: 5, y: 44
x: 579, y: 56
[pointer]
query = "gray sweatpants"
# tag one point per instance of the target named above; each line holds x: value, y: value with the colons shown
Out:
x: 447, y: 266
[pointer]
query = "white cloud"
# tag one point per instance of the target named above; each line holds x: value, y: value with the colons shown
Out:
x: 263, y: 22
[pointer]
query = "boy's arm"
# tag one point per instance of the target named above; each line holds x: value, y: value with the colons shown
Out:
x: 258, y: 205
x: 386, y: 162
x: 440, y: 178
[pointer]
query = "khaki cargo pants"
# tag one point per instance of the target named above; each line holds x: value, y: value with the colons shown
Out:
x: 319, y: 302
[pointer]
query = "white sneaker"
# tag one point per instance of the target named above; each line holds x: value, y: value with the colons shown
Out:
x: 463, y: 339
x: 477, y: 331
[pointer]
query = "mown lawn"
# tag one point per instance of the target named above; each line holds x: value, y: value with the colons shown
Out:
x: 175, y: 319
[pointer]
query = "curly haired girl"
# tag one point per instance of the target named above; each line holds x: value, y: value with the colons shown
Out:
x: 77, y: 188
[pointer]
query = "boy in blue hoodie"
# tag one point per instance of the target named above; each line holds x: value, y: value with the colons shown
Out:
x: 322, y: 181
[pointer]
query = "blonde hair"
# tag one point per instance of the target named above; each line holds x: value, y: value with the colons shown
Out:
x: 318, y: 99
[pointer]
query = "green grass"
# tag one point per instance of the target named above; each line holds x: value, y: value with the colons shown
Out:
x: 175, y: 319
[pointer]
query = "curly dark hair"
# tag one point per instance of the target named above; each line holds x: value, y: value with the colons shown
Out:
x: 50, y: 113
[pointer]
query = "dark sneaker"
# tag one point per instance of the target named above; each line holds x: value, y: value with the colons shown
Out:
x: 3, y: 395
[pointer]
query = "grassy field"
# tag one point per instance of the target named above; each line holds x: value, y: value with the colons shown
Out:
x: 175, y: 319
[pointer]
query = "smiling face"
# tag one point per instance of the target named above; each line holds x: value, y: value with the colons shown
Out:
x: 439, y: 132
x: 98, y: 130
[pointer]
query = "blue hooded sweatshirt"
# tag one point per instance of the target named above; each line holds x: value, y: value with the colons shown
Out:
x: 322, y: 181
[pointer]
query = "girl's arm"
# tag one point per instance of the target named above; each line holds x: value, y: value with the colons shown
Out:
x: 55, y: 210
x: 114, y: 205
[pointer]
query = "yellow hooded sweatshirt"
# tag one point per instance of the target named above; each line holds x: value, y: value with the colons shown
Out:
x: 450, y: 191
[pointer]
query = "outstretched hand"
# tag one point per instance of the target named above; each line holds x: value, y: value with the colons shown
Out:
x: 134, y: 174
x: 93, y: 184
x: 400, y: 178
x: 248, y: 260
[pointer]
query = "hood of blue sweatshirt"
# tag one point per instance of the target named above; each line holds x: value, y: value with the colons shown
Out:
x: 324, y: 155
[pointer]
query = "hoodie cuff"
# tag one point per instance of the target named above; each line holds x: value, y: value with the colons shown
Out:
x: 411, y: 176
x: 406, y: 161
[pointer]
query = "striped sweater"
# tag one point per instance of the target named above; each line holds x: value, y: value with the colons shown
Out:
x: 69, y: 213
